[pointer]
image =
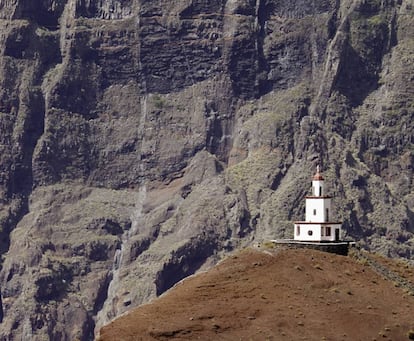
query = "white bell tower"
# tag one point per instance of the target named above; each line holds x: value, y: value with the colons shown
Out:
x: 318, y: 225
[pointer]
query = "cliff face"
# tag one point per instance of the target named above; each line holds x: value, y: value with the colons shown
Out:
x: 141, y: 140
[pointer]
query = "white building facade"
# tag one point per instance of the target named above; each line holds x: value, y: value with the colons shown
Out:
x: 318, y: 226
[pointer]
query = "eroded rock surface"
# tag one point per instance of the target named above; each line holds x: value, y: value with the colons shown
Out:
x: 141, y: 140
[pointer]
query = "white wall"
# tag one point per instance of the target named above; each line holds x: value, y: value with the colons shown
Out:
x: 316, y: 232
x: 332, y: 236
x: 319, y: 205
x: 304, y: 235
x: 316, y: 185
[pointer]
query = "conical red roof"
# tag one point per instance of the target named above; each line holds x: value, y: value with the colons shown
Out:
x: 318, y: 175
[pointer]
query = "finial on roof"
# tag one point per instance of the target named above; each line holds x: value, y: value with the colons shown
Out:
x: 318, y: 176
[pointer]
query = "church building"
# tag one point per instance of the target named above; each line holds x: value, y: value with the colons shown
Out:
x: 318, y: 226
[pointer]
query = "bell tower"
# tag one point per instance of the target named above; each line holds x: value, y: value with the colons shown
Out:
x: 318, y: 225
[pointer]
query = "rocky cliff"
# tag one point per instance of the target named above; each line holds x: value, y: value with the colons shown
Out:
x: 141, y: 140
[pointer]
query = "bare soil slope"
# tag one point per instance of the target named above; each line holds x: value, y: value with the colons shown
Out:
x: 284, y: 295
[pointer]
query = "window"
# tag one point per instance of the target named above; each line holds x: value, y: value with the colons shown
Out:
x: 322, y: 231
x: 328, y: 231
x: 314, y: 212
x: 320, y: 191
x: 310, y: 232
x: 327, y: 214
x: 297, y: 230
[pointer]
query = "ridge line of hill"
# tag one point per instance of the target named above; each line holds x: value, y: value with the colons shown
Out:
x: 398, y: 280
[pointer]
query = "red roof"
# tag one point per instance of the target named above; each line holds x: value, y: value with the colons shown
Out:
x: 318, y: 176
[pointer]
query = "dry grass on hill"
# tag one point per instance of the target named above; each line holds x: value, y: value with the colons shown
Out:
x: 286, y: 295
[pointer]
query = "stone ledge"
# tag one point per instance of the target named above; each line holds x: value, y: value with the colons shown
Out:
x: 340, y: 248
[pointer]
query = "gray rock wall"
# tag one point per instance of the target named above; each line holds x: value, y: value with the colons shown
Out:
x: 141, y: 141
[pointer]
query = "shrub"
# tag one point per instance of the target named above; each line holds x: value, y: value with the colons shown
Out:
x: 268, y: 245
x: 159, y: 102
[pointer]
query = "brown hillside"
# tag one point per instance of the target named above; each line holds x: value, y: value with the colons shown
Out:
x: 288, y: 295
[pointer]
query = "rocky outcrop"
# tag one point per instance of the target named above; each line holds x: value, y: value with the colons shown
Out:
x: 141, y: 141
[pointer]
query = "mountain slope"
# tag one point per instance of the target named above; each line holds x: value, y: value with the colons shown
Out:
x: 143, y: 140
x: 283, y: 295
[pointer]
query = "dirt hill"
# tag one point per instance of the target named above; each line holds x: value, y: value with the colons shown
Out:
x: 283, y: 295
